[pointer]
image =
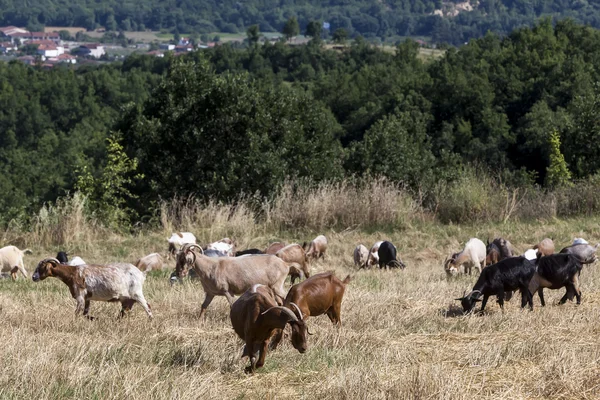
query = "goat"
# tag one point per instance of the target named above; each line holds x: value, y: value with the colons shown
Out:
x: 151, y: 262
x: 248, y: 251
x: 580, y: 241
x: 120, y: 282
x: 373, y: 258
x: 255, y: 316
x: 225, y: 245
x: 507, y: 275
x: 530, y: 254
x: 177, y: 240
x: 388, y: 256
x: 294, y: 253
x: 192, y: 274
x: 554, y: 272
x: 497, y: 250
x: 320, y: 294
x: 62, y: 257
x: 585, y: 253
x: 317, y: 248
x: 11, y: 260
x: 274, y: 247
x: 229, y: 276
x: 473, y: 255
x: 545, y: 247
x: 361, y: 255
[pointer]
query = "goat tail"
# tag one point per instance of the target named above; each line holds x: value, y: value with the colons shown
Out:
x: 27, y: 251
x: 347, y: 280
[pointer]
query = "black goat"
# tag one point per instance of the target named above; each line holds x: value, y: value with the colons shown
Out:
x: 249, y: 251
x: 554, y: 272
x: 62, y: 257
x: 388, y: 256
x: 497, y: 279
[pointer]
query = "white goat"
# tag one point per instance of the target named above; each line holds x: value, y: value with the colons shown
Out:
x: 177, y: 240
x: 580, y: 241
x: 373, y: 258
x: 224, y: 245
x: 120, y: 282
x: 361, y: 255
x: 530, y: 254
x: 11, y: 260
x: 473, y: 255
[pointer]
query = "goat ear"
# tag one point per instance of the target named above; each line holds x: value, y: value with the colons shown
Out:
x: 476, y: 299
x: 460, y: 299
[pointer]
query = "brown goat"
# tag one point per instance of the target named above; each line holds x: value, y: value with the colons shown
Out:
x: 545, y: 247
x: 320, y: 294
x: 317, y: 248
x: 294, y: 253
x: 274, y: 247
x: 255, y: 316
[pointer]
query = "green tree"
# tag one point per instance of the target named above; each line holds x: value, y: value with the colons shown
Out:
x: 396, y: 147
x: 109, y: 194
x: 340, y: 36
x: 253, y: 34
x: 314, y: 29
x: 220, y: 136
x: 557, y: 173
x: 291, y: 28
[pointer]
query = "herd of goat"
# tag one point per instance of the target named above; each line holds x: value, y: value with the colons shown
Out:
x: 263, y: 309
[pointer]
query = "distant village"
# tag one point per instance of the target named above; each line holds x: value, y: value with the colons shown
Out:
x: 48, y: 49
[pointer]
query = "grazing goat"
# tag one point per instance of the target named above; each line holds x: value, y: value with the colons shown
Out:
x: 151, y: 262
x: 294, y: 253
x: 545, y: 247
x: 585, y: 253
x: 255, y: 316
x: 320, y: 294
x: 273, y: 248
x: 361, y: 255
x: 498, y: 250
x: 225, y: 245
x: 120, y: 282
x: 317, y: 248
x: 373, y: 258
x: 62, y: 257
x: 177, y: 240
x: 507, y: 275
x: 554, y: 272
x: 11, y: 260
x: 473, y: 255
x: 388, y: 256
x: 229, y: 276
x: 248, y: 251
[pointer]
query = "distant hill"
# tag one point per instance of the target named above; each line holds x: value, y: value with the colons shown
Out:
x: 443, y: 21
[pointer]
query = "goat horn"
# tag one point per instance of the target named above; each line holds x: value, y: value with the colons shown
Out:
x: 285, y: 310
x: 51, y: 260
x: 299, y: 312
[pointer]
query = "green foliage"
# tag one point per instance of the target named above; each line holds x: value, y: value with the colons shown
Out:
x: 291, y: 28
x: 109, y: 193
x: 340, y: 36
x: 253, y: 34
x: 557, y: 173
x: 212, y: 146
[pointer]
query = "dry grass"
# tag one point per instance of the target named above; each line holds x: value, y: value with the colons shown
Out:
x: 401, y: 338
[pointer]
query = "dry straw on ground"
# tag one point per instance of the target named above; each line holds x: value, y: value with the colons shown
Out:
x: 401, y: 334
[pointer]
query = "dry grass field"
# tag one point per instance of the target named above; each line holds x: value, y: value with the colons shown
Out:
x: 402, y: 335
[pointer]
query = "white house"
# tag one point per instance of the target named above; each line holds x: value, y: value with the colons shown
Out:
x: 167, y: 46
x: 92, y: 50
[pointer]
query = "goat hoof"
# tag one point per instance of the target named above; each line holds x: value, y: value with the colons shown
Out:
x: 249, y: 370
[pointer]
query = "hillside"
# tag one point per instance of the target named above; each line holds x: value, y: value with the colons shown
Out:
x: 443, y: 21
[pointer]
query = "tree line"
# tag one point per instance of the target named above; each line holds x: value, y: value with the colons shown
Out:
x: 388, y: 19
x: 228, y: 122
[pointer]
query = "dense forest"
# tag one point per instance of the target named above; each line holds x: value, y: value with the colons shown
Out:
x: 384, y: 19
x: 224, y: 122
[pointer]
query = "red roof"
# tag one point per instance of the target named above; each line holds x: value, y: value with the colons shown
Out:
x: 42, y: 42
x: 47, y: 47
x: 66, y: 57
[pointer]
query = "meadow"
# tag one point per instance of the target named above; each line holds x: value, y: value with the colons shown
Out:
x: 403, y: 335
